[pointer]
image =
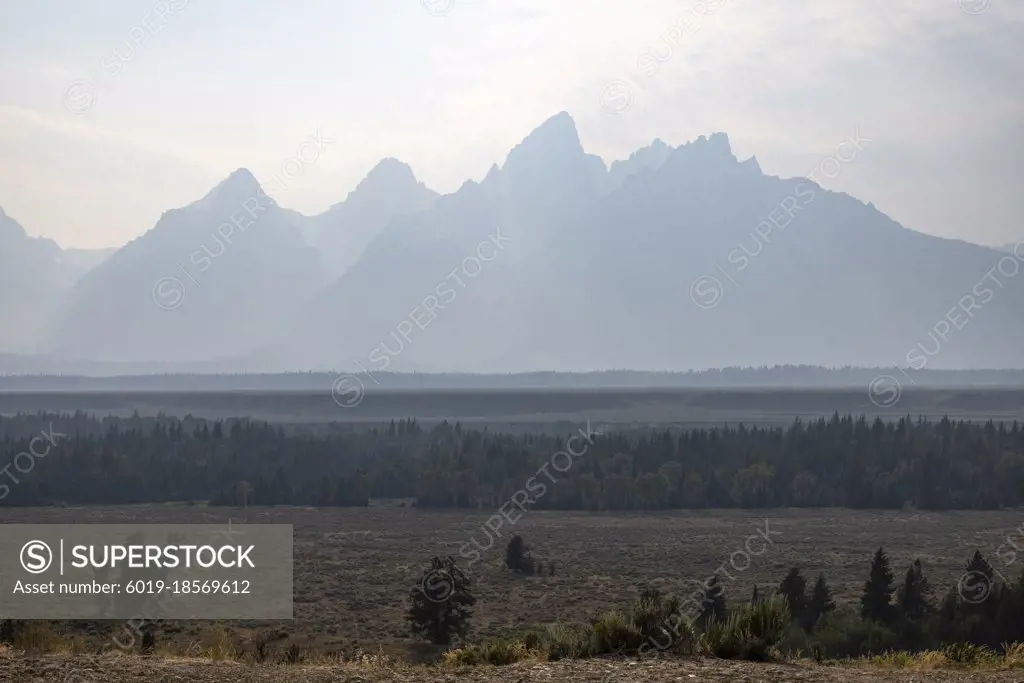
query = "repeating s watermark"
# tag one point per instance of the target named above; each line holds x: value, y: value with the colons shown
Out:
x: 24, y: 462
x: 960, y: 316
x: 438, y: 584
x: 975, y: 586
x: 687, y: 27
x: 617, y: 96
x: 957, y: 318
x: 708, y: 590
x: 885, y: 391
x: 80, y: 95
x: 975, y: 6
x: 707, y: 291
x: 438, y: 8
x: 90, y: 668
x: 169, y: 291
x: 348, y: 389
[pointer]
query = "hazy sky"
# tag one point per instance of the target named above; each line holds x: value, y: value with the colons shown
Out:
x: 450, y: 85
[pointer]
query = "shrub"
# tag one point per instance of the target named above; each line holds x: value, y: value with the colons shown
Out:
x: 726, y: 639
x: 9, y: 628
x: 768, y: 620
x: 533, y: 640
x: 842, y: 634
x: 614, y: 633
x: 896, y: 659
x: 217, y: 645
x: 562, y: 641
x: 752, y: 632
x: 1013, y: 655
x: 293, y: 654
x: 260, y: 646
x: 495, y: 652
x: 463, y: 656
x: 35, y: 637
x: 968, y: 654
x: 795, y: 642
x: 502, y: 652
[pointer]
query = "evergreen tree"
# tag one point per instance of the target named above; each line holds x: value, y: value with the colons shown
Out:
x: 980, y: 565
x: 820, y: 604
x: 442, y: 603
x: 913, y: 597
x: 517, y: 556
x: 794, y: 588
x: 875, y: 604
x: 714, y: 606
x: 754, y: 597
x: 977, y: 583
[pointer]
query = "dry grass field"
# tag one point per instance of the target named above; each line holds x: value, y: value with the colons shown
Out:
x: 354, y: 568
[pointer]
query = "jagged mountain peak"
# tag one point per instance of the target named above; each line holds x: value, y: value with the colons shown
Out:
x: 9, y: 226
x: 390, y: 168
x: 390, y: 175
x: 646, y: 158
x: 707, y: 154
x: 555, y: 138
x: 240, y: 185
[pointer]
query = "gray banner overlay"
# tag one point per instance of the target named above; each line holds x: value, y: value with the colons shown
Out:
x: 146, y: 571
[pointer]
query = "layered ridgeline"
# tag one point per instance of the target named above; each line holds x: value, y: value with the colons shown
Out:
x: 613, y: 268
x: 216, y: 280
x: 676, y: 258
x: 35, y: 275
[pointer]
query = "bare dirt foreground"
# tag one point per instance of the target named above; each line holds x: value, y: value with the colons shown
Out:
x: 66, y: 669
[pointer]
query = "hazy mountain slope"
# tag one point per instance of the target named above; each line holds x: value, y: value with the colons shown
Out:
x: 672, y: 259
x: 648, y: 158
x: 35, y: 275
x: 211, y: 280
x: 838, y: 283
x: 32, y: 281
x: 343, y: 231
x: 599, y: 273
x: 84, y: 260
x: 545, y: 180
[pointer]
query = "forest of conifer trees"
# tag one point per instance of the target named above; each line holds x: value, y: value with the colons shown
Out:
x: 843, y: 461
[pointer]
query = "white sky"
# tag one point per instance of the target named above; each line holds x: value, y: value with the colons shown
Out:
x: 232, y: 83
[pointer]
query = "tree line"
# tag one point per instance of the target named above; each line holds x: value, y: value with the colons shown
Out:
x: 895, y: 612
x: 841, y: 461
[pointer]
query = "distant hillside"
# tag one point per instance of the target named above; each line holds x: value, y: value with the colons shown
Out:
x: 806, y: 377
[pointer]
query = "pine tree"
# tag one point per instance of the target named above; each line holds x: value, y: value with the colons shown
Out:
x: 875, y: 604
x: 755, y: 597
x: 441, y: 603
x: 714, y: 606
x: 794, y: 588
x: 979, y: 591
x: 820, y: 604
x: 913, y: 597
x: 979, y: 564
x: 517, y: 556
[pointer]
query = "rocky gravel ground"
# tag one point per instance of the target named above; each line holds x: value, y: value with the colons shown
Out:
x: 71, y: 669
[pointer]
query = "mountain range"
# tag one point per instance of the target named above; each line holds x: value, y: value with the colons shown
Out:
x: 675, y: 258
